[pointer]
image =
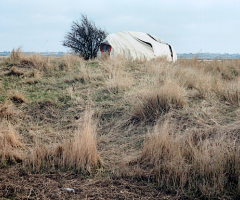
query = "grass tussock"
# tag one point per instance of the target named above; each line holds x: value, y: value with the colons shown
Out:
x: 31, y: 76
x: 228, y: 91
x: 152, y: 103
x: 68, y: 60
x: 10, y: 144
x: 15, y: 71
x: 8, y: 111
x: 78, y: 153
x: 193, y: 166
x: 17, y: 97
x: 18, y: 58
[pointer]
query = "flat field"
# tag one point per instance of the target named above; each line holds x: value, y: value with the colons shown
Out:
x: 119, y: 129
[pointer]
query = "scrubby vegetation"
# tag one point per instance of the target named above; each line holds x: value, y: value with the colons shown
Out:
x: 174, y: 125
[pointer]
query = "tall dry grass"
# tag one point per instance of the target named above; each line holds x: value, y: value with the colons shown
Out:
x: 154, y: 102
x: 18, y: 58
x: 116, y: 74
x: 68, y: 61
x: 228, y: 91
x: 207, y: 167
x: 78, y: 153
x: 10, y: 145
x: 9, y: 112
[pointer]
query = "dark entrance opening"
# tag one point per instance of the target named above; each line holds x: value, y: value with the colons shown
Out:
x: 105, y: 48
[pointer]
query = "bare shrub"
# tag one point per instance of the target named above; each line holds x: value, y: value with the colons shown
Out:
x: 84, y: 38
x: 207, y: 167
x: 9, y: 145
x: 79, y: 153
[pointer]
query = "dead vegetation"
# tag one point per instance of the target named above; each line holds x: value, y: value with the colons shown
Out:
x: 18, y: 58
x: 78, y: 153
x: 174, y: 125
x: 193, y: 165
x: 156, y: 101
x: 10, y: 145
x: 17, y: 97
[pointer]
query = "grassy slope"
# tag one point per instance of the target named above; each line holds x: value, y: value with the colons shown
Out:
x: 187, y: 113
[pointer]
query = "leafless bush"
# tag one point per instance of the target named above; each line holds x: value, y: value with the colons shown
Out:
x: 84, y: 38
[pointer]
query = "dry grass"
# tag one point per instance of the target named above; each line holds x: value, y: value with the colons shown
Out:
x: 9, y: 112
x: 67, y: 61
x: 18, y: 58
x: 78, y: 153
x: 209, y: 167
x: 194, y: 153
x: 118, y: 79
x: 154, y: 102
x: 15, y: 71
x: 10, y: 151
x: 228, y: 91
x: 17, y: 96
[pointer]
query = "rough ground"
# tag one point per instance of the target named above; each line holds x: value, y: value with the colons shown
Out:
x: 44, y: 101
x: 18, y: 184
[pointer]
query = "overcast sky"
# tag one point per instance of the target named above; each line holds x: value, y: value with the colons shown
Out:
x: 190, y: 26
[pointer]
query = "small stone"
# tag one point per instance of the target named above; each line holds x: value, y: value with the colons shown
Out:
x: 69, y: 189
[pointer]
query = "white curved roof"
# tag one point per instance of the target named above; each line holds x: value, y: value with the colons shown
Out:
x: 139, y: 45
